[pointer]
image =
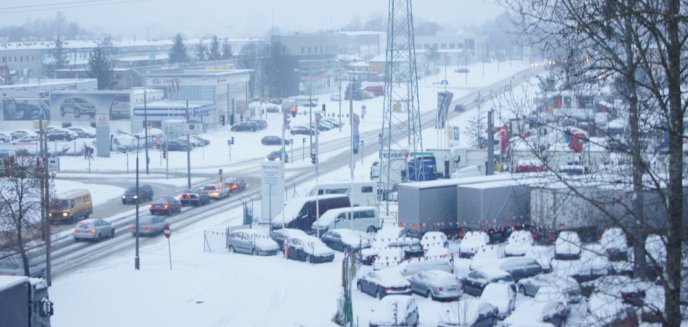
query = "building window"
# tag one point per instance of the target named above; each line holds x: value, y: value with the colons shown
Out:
x: 303, y: 50
x: 321, y: 49
x: 452, y: 46
x: 4, y: 59
x: 443, y: 46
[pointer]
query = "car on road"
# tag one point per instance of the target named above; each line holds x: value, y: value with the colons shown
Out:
x: 518, y: 243
x: 277, y: 156
x: 175, y: 145
x: 302, y: 130
x: 262, y: 124
x: 145, y: 194
x: 395, y: 310
x: 245, y: 126
x: 235, y: 184
x: 382, y: 283
x: 193, y: 198
x: 77, y: 107
x: 568, y: 286
x: 95, y: 229
x: 308, y: 248
x: 471, y: 242
x: 476, y: 280
x: 216, y: 191
x: 149, y: 226
x: 165, y: 205
x: 436, y: 284
x: 342, y: 239
x: 274, y: 140
x: 199, y: 141
x: 251, y: 241
x: 567, y: 246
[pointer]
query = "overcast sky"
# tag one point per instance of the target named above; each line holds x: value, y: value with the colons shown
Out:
x: 161, y: 18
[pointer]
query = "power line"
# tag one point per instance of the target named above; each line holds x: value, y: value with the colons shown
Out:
x: 63, y: 5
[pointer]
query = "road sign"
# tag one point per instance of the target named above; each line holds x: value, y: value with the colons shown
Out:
x: 167, y: 231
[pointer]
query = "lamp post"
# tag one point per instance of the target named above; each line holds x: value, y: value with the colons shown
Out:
x: 137, y: 262
x: 45, y: 197
x: 145, y: 125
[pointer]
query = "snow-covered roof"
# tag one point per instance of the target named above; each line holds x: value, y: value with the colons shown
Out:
x: 10, y: 281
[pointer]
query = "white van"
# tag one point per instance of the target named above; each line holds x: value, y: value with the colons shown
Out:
x: 364, y: 192
x: 365, y: 220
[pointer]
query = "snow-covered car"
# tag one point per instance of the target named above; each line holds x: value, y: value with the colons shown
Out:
x: 567, y: 246
x: 554, y: 312
x: 309, y: 248
x: 518, y: 243
x: 342, y: 239
x: 591, y: 266
x: 382, y: 283
x: 543, y: 255
x: 410, y: 248
x: 436, y: 284
x: 415, y: 265
x: 83, y: 131
x: 502, y: 296
x: 628, y: 290
x: 486, y: 256
x: 476, y: 280
x: 567, y: 285
x: 387, y: 257
x: 251, y: 241
x: 518, y: 267
x: 471, y: 242
x: 608, y: 310
x: 468, y: 312
x: 283, y: 234
x: 614, y: 244
x: 433, y: 239
x: 395, y: 310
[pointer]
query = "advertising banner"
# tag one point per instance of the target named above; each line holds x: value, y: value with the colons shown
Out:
x: 69, y: 106
x: 24, y: 109
x: 444, y: 99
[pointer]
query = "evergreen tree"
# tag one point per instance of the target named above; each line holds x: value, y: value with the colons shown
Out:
x: 226, y: 50
x: 59, y: 54
x: 101, y: 68
x: 201, y: 51
x: 215, y: 49
x: 178, y: 51
x: 353, y: 89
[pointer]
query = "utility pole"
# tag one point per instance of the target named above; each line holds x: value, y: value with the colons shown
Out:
x: 490, y: 143
x: 310, y: 116
x: 188, y: 149
x: 145, y: 125
x: 340, y: 103
x: 137, y: 261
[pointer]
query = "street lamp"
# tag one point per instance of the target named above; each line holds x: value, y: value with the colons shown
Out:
x: 137, y: 263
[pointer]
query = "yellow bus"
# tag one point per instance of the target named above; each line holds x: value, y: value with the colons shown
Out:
x: 69, y: 206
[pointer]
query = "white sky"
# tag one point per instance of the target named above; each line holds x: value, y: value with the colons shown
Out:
x: 232, y: 17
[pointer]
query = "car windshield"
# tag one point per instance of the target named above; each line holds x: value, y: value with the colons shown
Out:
x: 209, y: 188
x: 59, y: 204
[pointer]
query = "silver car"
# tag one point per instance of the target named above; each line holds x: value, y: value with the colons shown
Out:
x: 93, y: 229
x: 436, y: 284
x: 251, y: 241
x: 149, y: 226
x: 567, y: 286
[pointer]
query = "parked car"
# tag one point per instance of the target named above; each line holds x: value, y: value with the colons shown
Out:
x: 476, y: 280
x: 630, y: 290
x: 194, y: 198
x: 175, y: 145
x: 59, y: 134
x: 277, y: 156
x: 245, y: 126
x: 165, y: 205
x: 519, y: 267
x: 83, y: 132
x: 382, y: 283
x: 94, y: 229
x: 614, y: 244
x: 543, y: 255
x: 534, y: 311
x: 19, y: 133
x: 78, y: 107
x: 608, y: 310
x: 308, y: 248
x: 27, y: 139
x: 216, y: 191
x: 395, y: 310
x: 199, y: 140
x: 593, y: 264
x: 274, y: 140
x: 5, y: 137
x: 302, y: 130
x: 251, y: 241
x: 235, y: 184
x: 283, y: 234
x: 342, y: 239
x: 567, y: 246
x: 145, y: 194
x: 409, y: 247
x: 436, y: 284
x: 567, y: 285
x: 518, y: 243
x: 468, y: 312
x: 502, y: 296
x: 471, y: 242
x: 149, y: 226
x: 431, y: 239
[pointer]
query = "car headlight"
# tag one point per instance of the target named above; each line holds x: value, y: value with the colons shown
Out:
x: 65, y: 214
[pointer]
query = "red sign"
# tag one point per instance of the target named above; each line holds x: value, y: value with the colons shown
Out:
x: 167, y: 231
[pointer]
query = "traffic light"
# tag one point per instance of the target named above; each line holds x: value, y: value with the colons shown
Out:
x: 293, y: 111
x: 323, y: 109
x: 164, y: 154
x: 232, y: 140
x: 222, y: 120
x: 314, y: 158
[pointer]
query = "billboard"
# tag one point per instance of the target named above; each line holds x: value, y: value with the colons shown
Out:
x: 69, y: 106
x: 24, y: 109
